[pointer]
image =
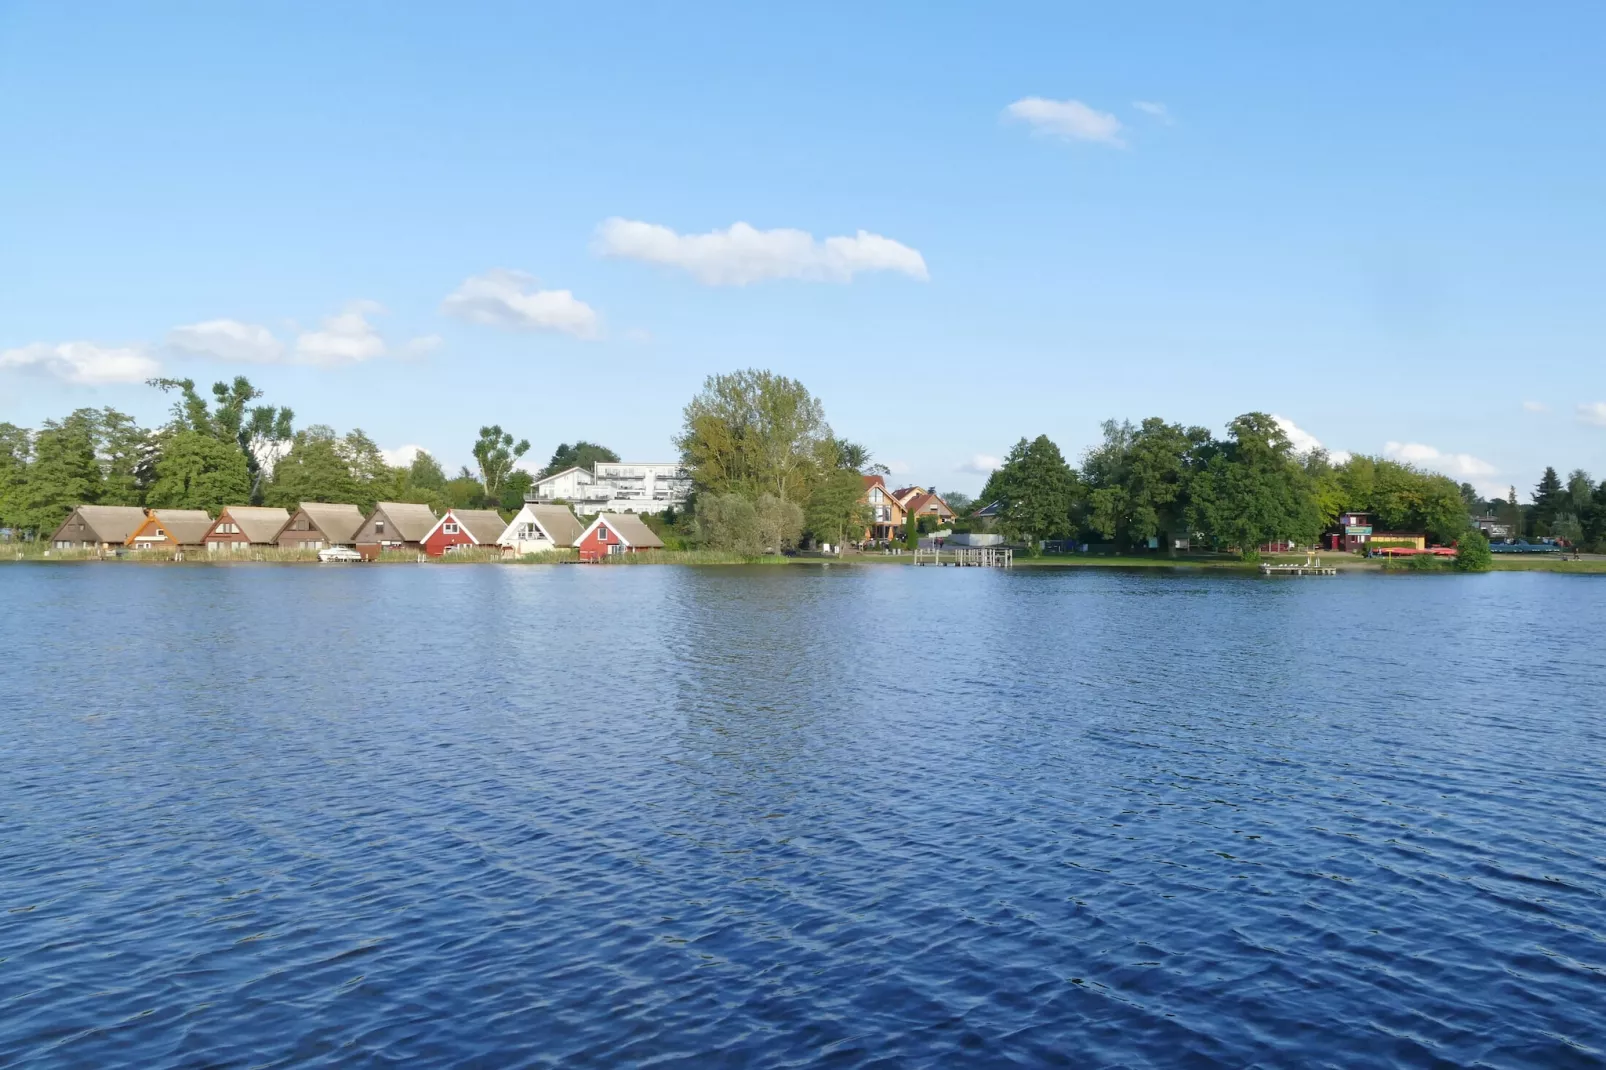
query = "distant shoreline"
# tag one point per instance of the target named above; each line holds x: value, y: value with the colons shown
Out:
x: 1590, y: 564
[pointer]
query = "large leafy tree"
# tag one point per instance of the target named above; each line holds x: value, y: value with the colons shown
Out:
x: 496, y: 453
x: 64, y: 473
x: 1137, y: 480
x: 199, y: 471
x: 753, y: 432
x: 259, y: 432
x: 16, y: 448
x: 1253, y: 490
x: 316, y: 469
x: 1036, y: 490
x: 581, y: 454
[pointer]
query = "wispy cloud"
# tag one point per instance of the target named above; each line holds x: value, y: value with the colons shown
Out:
x: 1535, y: 406
x: 513, y: 299
x: 227, y: 340
x: 344, y: 338
x: 1592, y: 413
x: 1154, y: 109
x: 1303, y: 441
x: 742, y: 254
x: 83, y: 363
x: 1069, y: 119
x: 981, y: 464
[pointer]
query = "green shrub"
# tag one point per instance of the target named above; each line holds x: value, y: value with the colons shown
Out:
x: 1472, y: 553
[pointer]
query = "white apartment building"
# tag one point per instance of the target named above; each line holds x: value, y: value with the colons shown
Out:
x: 617, y: 487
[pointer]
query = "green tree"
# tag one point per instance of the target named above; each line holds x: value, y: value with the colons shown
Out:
x: 780, y: 523
x: 836, y: 511
x: 911, y: 531
x: 64, y: 473
x: 1036, y: 490
x: 465, y: 491
x: 754, y: 432
x: 1472, y: 552
x: 728, y: 522
x: 259, y: 432
x: 1549, y: 498
x: 316, y: 469
x: 199, y: 471
x: 425, y: 472
x: 1253, y: 490
x: 128, y: 456
x: 515, y: 489
x: 16, y: 449
x: 581, y: 454
x: 1137, y: 480
x: 497, y: 453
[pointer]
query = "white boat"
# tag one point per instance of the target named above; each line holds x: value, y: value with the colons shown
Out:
x: 338, y: 553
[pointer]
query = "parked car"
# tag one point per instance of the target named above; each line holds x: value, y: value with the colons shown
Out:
x: 338, y: 553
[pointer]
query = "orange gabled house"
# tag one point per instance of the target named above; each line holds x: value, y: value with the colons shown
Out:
x: 886, y: 512
x: 171, y: 529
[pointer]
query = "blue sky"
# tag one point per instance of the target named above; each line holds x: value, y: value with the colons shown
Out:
x: 1382, y: 222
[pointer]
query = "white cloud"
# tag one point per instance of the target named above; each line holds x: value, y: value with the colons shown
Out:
x: 1593, y: 413
x: 1457, y: 465
x: 1303, y: 441
x: 346, y: 338
x: 502, y: 298
x: 742, y: 254
x: 981, y: 464
x: 230, y: 340
x: 83, y: 363
x: 401, y: 456
x: 1155, y: 109
x: 1535, y: 406
x: 1070, y: 119
x: 898, y: 468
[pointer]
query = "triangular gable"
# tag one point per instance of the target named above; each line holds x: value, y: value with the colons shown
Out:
x: 602, y: 521
x: 152, y: 521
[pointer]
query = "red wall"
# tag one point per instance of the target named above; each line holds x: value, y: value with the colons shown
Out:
x: 592, y: 548
x: 438, y: 540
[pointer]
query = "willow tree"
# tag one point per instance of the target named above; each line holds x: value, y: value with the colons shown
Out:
x: 753, y: 432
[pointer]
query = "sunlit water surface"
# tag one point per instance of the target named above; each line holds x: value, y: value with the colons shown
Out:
x: 874, y: 816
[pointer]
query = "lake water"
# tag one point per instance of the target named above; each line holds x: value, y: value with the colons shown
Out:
x: 872, y: 816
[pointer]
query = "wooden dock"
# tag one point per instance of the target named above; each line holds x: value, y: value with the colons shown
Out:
x: 968, y: 557
x: 1297, y: 570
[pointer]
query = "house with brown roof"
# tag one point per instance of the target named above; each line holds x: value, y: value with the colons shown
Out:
x: 458, y: 528
x: 926, y: 503
x: 171, y: 529
x: 538, y: 529
x: 616, y: 533
x: 240, y: 527
x: 97, y: 527
x: 319, y: 524
x: 886, y: 512
x: 396, y: 526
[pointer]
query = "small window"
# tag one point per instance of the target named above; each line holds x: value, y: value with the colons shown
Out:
x: 450, y: 529
x: 379, y: 527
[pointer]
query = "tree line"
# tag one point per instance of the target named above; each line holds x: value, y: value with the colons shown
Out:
x: 231, y: 449
x: 1159, y: 483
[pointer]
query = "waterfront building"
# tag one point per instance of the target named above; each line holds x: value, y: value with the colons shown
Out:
x: 458, y: 528
x: 617, y: 487
x: 886, y: 513
x: 316, y: 525
x: 616, y: 533
x: 395, y: 526
x: 926, y: 503
x: 97, y: 527
x: 540, y: 528
x: 240, y: 527
x: 171, y: 529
